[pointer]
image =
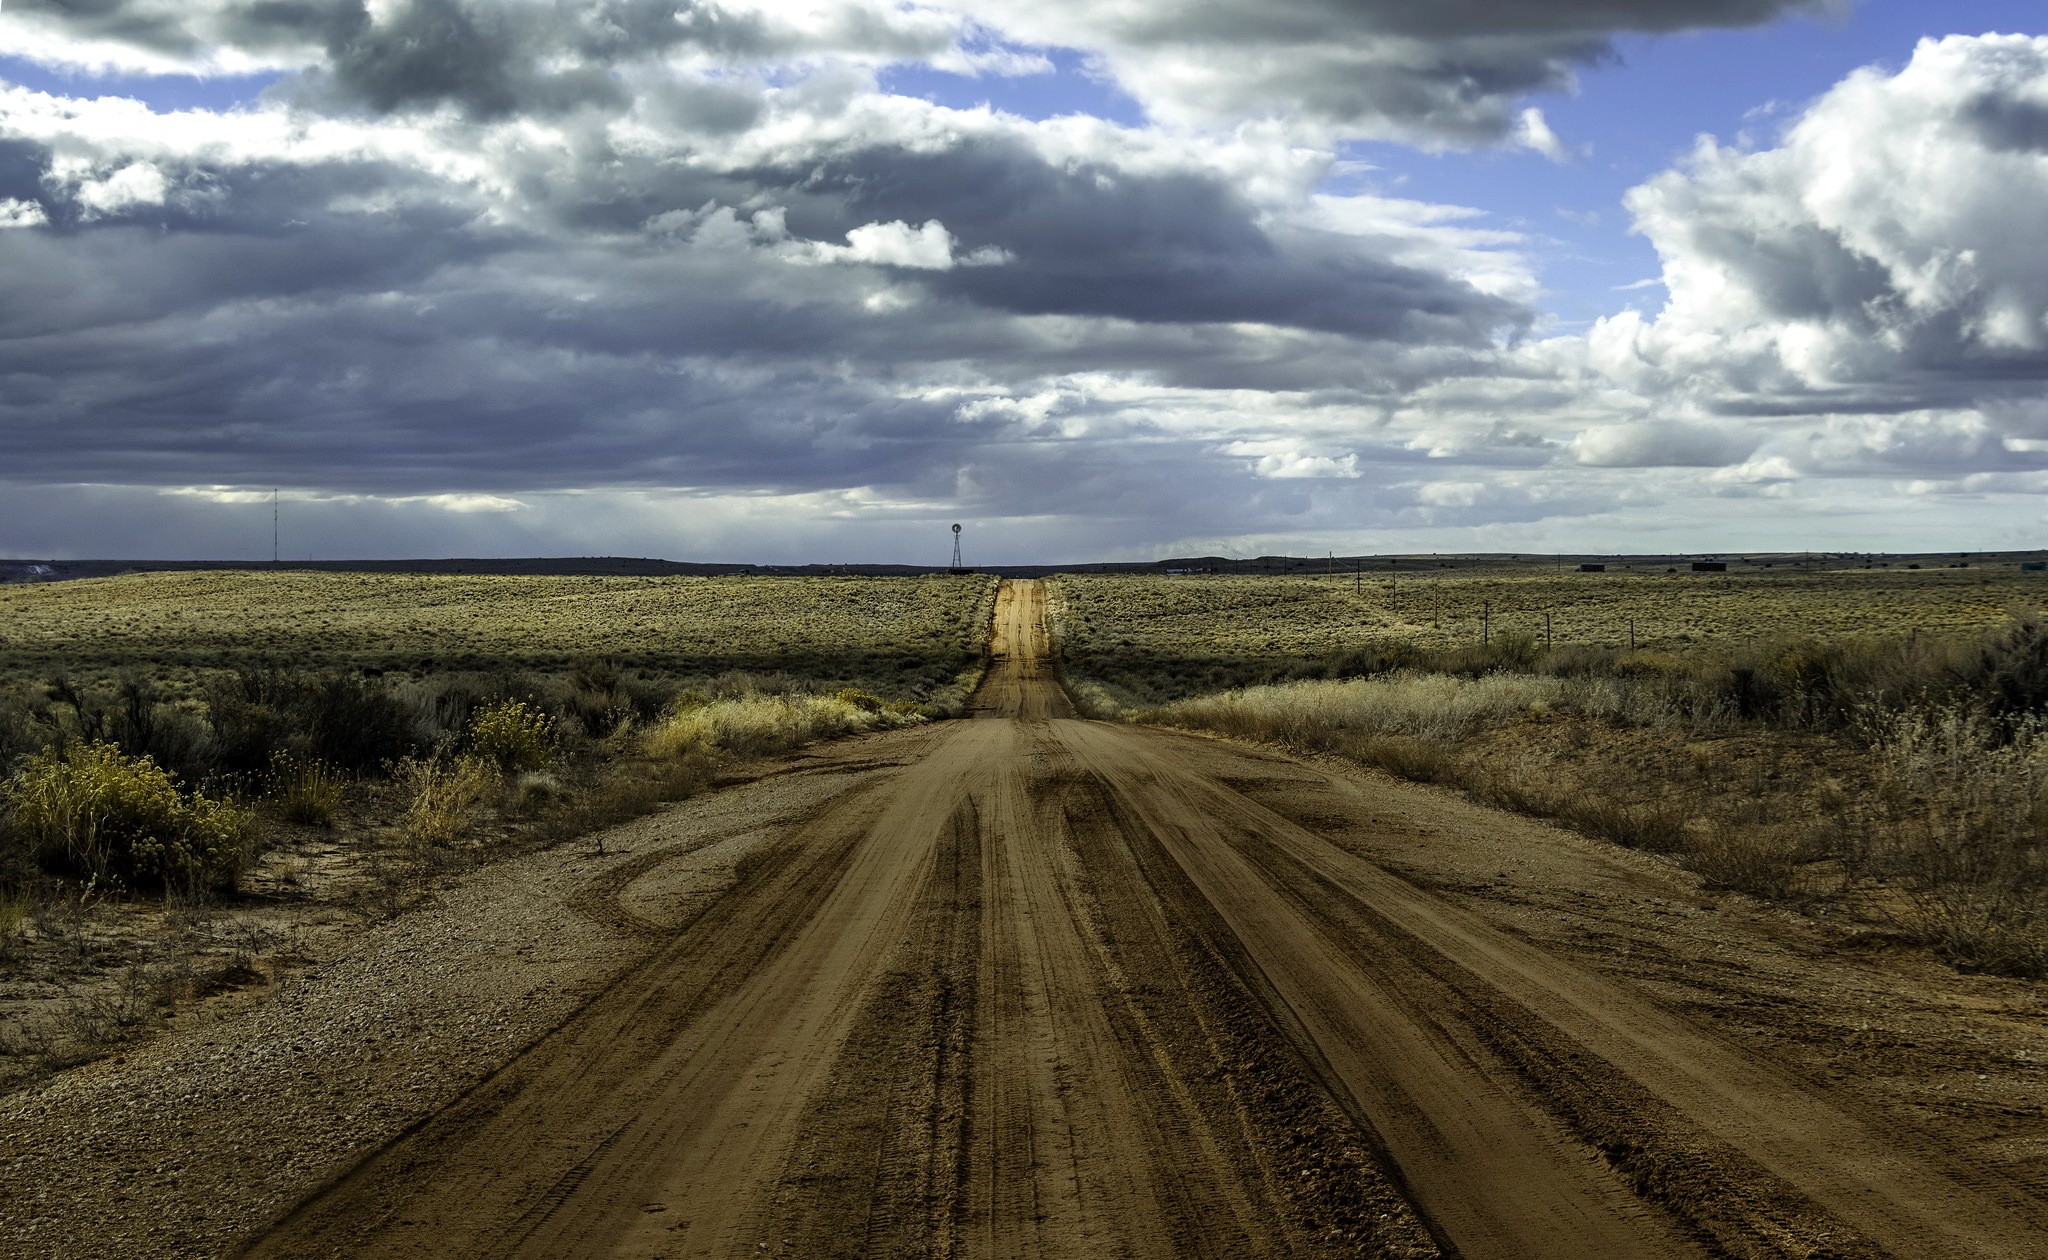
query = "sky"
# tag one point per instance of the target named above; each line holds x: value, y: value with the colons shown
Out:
x: 810, y: 281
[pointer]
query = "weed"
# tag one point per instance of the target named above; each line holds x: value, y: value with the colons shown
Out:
x: 444, y: 799
x: 1960, y: 821
x: 752, y: 725
x: 1754, y: 860
x: 305, y: 789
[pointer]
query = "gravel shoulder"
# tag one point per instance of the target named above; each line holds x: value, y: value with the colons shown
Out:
x: 186, y: 1145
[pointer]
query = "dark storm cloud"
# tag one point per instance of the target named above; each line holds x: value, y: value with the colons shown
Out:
x: 507, y: 249
x: 1089, y: 240
x: 373, y: 325
x: 1453, y: 70
x: 1290, y: 21
x: 1440, y: 72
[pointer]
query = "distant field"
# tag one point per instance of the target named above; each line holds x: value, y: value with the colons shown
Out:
x: 1208, y: 631
x: 900, y: 633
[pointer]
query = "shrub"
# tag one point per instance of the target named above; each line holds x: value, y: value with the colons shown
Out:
x: 357, y: 724
x: 251, y: 719
x: 1747, y: 859
x: 305, y: 789
x: 444, y: 798
x: 93, y: 813
x: 1961, y: 820
x: 858, y: 699
x: 351, y: 723
x: 512, y: 735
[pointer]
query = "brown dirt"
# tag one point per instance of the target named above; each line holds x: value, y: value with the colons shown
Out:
x: 1031, y: 985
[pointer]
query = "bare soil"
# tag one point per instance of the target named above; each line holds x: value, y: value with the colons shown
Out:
x: 1028, y: 985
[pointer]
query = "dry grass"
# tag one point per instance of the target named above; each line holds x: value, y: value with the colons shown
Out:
x: 305, y: 789
x: 1959, y: 822
x: 1905, y: 780
x: 756, y: 725
x: 887, y: 635
x: 1192, y: 618
x: 444, y: 798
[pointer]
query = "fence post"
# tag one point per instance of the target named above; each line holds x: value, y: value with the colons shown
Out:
x: 1546, y: 632
x: 1485, y: 628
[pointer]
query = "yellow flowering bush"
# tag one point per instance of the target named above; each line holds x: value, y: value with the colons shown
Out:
x: 94, y: 813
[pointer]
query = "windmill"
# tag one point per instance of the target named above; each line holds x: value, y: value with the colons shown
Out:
x: 957, y: 567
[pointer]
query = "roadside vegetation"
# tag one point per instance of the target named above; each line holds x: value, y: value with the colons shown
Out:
x: 1889, y: 767
x: 197, y: 770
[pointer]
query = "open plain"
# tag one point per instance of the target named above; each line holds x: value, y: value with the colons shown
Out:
x: 1031, y: 985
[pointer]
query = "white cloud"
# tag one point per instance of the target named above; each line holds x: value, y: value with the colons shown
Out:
x: 1532, y: 132
x: 1893, y: 231
x: 135, y: 184
x: 18, y: 212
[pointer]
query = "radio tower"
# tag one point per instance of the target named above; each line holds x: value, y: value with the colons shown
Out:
x: 957, y: 566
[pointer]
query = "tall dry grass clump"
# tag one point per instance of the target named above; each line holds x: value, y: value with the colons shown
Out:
x: 305, y: 789
x: 444, y: 798
x: 754, y: 725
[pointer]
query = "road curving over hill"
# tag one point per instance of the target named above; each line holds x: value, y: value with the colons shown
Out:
x: 1029, y: 985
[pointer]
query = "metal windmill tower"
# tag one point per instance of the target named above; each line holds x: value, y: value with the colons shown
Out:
x: 957, y: 567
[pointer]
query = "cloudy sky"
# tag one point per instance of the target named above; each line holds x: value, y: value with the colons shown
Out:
x: 786, y: 280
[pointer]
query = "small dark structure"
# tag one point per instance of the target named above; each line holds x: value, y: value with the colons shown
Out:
x: 2034, y: 566
x: 1710, y: 566
x: 1592, y: 568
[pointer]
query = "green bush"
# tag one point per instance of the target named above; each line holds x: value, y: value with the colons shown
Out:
x: 353, y: 723
x: 94, y: 814
x: 512, y: 735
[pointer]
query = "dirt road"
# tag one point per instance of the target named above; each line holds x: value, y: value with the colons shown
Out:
x: 1028, y: 985
x: 1037, y: 986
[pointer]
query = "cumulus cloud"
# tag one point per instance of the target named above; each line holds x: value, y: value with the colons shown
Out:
x: 1885, y: 245
x: 1861, y: 301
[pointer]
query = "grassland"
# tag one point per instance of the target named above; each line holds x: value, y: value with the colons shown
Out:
x: 196, y: 766
x: 896, y: 634
x: 1872, y: 741
x: 1148, y: 640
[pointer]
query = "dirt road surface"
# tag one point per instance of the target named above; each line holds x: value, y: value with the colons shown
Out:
x: 1028, y: 985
